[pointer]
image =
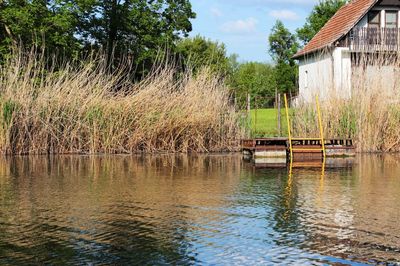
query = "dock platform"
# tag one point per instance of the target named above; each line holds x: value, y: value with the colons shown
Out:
x: 306, y: 149
x: 279, y: 152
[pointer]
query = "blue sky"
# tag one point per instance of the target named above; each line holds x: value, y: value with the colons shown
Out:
x: 244, y: 25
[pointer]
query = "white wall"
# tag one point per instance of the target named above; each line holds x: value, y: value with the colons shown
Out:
x: 342, y: 72
x: 325, y: 74
x: 384, y: 78
x: 315, y: 76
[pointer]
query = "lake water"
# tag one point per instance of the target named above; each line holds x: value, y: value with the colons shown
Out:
x: 197, y: 210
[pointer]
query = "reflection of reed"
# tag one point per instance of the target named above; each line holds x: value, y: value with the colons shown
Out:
x: 358, y: 214
x: 169, y: 209
x: 112, y: 205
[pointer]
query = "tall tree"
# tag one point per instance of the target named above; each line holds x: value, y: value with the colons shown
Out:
x: 198, y: 52
x: 320, y: 14
x: 40, y: 22
x: 254, y: 78
x: 139, y: 28
x: 282, y: 47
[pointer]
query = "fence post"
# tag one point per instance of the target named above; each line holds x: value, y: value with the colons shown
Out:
x: 249, y: 118
x: 248, y: 103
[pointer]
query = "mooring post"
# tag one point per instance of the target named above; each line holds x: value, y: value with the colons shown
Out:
x: 279, y: 115
x: 321, y: 127
x: 255, y: 114
x: 289, y: 128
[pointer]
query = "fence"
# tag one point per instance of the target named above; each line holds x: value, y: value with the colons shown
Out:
x: 265, y: 116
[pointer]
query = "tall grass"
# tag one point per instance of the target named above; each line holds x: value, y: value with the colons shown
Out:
x: 87, y: 109
x: 371, y: 116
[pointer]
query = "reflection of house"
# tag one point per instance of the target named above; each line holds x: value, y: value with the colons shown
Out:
x: 327, y: 63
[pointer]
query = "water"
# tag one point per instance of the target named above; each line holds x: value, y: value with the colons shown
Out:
x: 198, y: 210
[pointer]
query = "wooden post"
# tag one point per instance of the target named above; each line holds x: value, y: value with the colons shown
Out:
x: 279, y: 116
x: 248, y: 103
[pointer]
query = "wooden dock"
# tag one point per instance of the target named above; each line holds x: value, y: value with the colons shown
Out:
x: 307, y: 152
x: 277, y: 150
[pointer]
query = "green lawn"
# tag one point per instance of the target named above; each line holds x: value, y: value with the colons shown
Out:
x: 264, y: 122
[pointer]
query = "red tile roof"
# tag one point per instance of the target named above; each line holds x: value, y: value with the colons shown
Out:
x: 338, y: 26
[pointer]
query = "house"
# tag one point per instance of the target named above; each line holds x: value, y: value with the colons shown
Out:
x: 329, y: 62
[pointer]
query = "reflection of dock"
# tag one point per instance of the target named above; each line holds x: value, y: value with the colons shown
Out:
x: 339, y: 162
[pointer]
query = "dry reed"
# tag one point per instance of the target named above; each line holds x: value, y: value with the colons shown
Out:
x: 371, y: 116
x: 79, y: 110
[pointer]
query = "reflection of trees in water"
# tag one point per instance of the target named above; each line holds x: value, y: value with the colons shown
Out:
x: 107, y: 209
x: 150, y: 209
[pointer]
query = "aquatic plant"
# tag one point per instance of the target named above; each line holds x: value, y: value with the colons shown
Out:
x: 85, y: 108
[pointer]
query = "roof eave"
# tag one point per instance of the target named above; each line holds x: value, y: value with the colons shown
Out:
x: 301, y: 54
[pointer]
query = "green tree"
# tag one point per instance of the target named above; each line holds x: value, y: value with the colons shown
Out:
x: 39, y: 22
x: 282, y: 47
x: 136, y: 27
x: 198, y: 52
x: 320, y: 14
x: 254, y: 78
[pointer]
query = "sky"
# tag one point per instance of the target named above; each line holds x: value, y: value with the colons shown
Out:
x: 244, y: 25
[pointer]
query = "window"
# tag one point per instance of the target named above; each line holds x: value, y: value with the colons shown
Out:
x: 374, y: 19
x: 391, y: 33
x: 391, y: 19
x: 374, y: 24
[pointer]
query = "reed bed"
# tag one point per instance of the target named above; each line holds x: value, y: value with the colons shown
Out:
x: 87, y: 109
x: 371, y: 116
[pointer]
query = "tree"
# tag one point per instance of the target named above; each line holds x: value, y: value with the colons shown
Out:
x: 199, y: 52
x: 282, y: 47
x: 136, y: 27
x: 254, y: 78
x: 320, y: 14
x: 38, y: 22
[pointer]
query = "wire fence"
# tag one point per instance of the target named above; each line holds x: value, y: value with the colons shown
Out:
x: 265, y: 116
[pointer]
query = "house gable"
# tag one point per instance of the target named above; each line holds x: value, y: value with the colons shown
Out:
x: 338, y: 26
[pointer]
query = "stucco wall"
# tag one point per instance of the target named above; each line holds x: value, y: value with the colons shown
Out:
x: 342, y: 72
x: 325, y: 74
x: 386, y: 79
x: 315, y: 76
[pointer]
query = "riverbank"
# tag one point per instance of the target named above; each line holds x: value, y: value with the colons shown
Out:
x: 86, y: 109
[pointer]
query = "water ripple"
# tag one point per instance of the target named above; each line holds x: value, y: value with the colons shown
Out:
x: 196, y: 210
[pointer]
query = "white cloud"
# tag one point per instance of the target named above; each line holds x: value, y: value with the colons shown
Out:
x: 240, y: 26
x: 284, y: 14
x: 216, y: 12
